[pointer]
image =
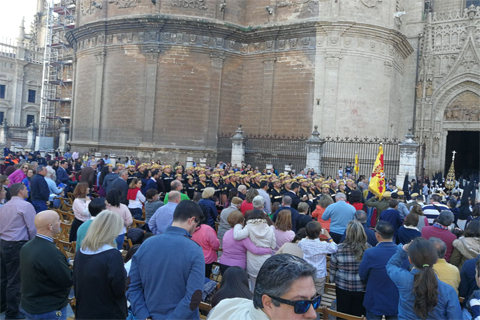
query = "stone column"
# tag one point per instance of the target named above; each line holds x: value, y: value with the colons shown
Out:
x: 4, y: 132
x: 408, y: 159
x: 215, y: 97
x: 63, y: 138
x: 97, y: 114
x: 238, y: 147
x: 268, y: 81
x: 31, y: 135
x: 113, y: 159
x: 150, y: 96
x: 189, y: 162
x: 314, y: 150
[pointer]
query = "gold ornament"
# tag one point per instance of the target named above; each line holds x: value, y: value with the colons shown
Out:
x: 450, y: 181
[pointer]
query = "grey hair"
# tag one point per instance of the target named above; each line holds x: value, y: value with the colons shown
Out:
x: 325, y: 201
x: 40, y: 168
x: 241, y: 187
x: 114, y: 169
x: 258, y: 202
x: 439, y: 245
x: 287, y: 200
x: 277, y: 275
x: 445, y: 218
x: 175, y: 184
x: 340, y: 196
x: 122, y: 172
x: 361, y: 216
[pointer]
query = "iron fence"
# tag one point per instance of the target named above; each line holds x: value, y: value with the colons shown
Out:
x: 261, y: 150
x: 339, y: 151
x: 283, y: 150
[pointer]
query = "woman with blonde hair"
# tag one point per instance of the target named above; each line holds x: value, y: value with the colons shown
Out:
x: 344, y: 266
x: 283, y: 229
x: 208, y: 207
x: 99, y: 276
x: 135, y: 199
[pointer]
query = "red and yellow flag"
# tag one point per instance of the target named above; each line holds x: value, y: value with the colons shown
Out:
x: 377, y: 182
x: 357, y: 167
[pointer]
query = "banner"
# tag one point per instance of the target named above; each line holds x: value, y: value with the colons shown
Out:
x: 356, y: 168
x: 377, y: 182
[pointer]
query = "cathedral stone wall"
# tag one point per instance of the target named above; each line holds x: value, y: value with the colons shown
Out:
x: 167, y: 79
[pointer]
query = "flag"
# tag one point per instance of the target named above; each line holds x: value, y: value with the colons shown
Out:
x: 377, y: 182
x: 356, y: 168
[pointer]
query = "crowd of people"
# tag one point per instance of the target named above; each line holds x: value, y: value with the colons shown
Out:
x: 275, y: 239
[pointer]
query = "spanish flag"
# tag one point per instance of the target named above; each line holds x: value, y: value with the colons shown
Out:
x: 357, y: 167
x: 377, y: 182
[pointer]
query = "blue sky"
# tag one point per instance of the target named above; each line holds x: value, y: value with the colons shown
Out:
x: 11, y: 13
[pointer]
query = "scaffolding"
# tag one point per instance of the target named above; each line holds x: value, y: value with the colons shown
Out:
x: 57, y: 81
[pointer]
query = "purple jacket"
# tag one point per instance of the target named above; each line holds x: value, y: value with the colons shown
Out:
x: 16, y: 177
x: 235, y: 252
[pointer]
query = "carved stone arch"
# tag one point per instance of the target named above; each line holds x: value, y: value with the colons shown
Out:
x: 454, y: 93
x: 452, y: 84
x: 464, y: 106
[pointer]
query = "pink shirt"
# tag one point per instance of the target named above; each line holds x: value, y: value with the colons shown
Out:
x: 80, y: 209
x: 16, y: 177
x: 235, y: 252
x: 282, y: 237
x: 206, y: 237
x: 17, y: 220
x: 124, y: 213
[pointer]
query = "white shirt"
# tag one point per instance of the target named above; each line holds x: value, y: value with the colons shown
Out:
x: 315, y: 251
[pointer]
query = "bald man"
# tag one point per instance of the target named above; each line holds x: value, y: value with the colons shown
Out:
x: 46, y: 276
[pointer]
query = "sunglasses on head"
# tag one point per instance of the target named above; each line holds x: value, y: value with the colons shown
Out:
x: 300, y: 306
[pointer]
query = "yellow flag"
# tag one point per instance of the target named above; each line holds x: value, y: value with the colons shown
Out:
x: 377, y: 182
x: 357, y: 167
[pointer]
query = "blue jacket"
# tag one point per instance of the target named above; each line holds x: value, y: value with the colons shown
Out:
x: 209, y: 211
x: 405, y: 235
x: 381, y: 294
x: 448, y: 306
x: 467, y: 278
x: 62, y: 176
x: 151, y: 184
x: 341, y: 214
x: 392, y: 216
x: 167, y: 277
x: 39, y: 188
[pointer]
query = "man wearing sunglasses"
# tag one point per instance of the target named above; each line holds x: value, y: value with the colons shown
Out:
x: 285, y: 289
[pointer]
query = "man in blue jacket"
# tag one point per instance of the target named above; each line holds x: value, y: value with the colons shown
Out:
x: 168, y: 271
x: 62, y: 175
x: 39, y: 191
x: 381, y: 294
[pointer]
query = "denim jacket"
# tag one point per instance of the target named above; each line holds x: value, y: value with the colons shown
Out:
x: 448, y: 306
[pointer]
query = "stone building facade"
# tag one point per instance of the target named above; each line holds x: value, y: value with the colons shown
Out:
x: 20, y: 82
x: 165, y: 78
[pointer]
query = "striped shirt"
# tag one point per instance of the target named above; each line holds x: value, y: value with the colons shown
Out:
x: 432, y: 211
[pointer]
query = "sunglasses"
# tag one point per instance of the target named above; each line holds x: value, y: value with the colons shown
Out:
x: 300, y: 306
